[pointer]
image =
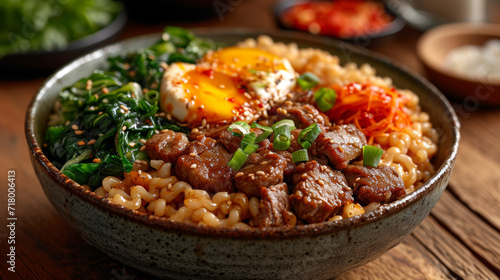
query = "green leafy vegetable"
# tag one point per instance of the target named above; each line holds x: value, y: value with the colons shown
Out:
x: 33, y: 25
x: 101, y: 119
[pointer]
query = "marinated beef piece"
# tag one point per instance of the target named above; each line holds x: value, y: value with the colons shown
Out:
x: 382, y: 184
x: 290, y: 165
x: 207, y: 171
x: 319, y: 192
x: 341, y: 144
x: 274, y: 206
x: 167, y: 146
x: 212, y: 132
x: 263, y: 169
x: 302, y: 114
x: 201, y: 144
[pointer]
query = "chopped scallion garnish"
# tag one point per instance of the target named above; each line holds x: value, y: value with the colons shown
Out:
x: 308, y: 135
x: 242, y: 126
x: 282, y: 139
x: 287, y: 122
x: 239, y: 158
x: 300, y: 155
x: 371, y: 155
x: 248, y: 139
x: 250, y: 149
x: 266, y: 131
x: 308, y: 80
x: 325, y: 98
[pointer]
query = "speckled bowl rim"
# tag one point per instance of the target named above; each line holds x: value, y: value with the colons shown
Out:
x: 252, y: 233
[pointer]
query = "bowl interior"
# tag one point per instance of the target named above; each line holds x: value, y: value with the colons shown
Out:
x: 431, y: 100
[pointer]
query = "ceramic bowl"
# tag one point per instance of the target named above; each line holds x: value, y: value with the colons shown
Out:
x: 394, y: 26
x: 43, y: 63
x: 433, y: 48
x: 172, y: 250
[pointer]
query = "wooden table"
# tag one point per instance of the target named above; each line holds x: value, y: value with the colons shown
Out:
x: 459, y: 240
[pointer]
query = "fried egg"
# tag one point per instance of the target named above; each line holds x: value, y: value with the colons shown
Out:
x: 225, y: 86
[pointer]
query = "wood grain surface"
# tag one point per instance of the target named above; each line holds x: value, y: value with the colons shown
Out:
x: 459, y: 240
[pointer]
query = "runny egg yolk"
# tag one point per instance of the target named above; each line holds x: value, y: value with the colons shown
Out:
x: 244, y: 61
x: 214, y: 96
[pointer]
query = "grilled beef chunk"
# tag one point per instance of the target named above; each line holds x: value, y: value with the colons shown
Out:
x: 319, y: 192
x: 341, y: 144
x: 208, y: 170
x: 273, y: 208
x: 382, y: 184
x: 290, y: 165
x: 302, y: 114
x: 201, y: 144
x: 263, y: 169
x: 167, y: 146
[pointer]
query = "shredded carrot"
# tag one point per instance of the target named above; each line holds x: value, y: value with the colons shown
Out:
x: 374, y: 110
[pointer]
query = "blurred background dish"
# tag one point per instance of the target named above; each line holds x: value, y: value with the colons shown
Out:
x: 349, y: 20
x: 435, y: 46
x: 425, y: 14
x: 37, y: 38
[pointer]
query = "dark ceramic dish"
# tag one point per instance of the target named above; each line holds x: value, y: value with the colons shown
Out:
x: 43, y: 63
x: 172, y: 250
x: 396, y: 24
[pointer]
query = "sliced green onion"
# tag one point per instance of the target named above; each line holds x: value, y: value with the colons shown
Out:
x: 308, y: 135
x: 287, y: 122
x: 265, y: 133
x: 242, y: 126
x: 239, y: 158
x: 300, y: 155
x: 282, y: 139
x: 308, y: 80
x: 250, y: 149
x: 371, y: 155
x: 325, y: 98
x: 248, y: 139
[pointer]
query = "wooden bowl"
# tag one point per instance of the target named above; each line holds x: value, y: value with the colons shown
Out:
x: 437, y: 43
x: 171, y: 250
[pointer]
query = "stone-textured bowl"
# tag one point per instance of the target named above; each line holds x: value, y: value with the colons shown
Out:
x: 172, y: 250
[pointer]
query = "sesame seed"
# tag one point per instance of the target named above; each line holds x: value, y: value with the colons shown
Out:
x: 91, y: 142
x: 105, y: 90
x: 164, y: 65
x: 182, y: 99
x: 67, y: 123
x: 143, y: 162
x: 96, y: 96
x: 152, y: 57
x: 124, y: 128
x: 239, y: 174
x: 320, y: 182
x: 193, y: 166
x: 126, y: 66
x: 81, y: 143
x: 88, y: 85
x: 204, y: 122
x: 261, y: 173
x: 233, y: 111
x: 142, y: 148
x: 100, y: 113
x: 74, y: 127
x: 96, y: 160
x: 137, y: 161
x: 124, y: 107
x: 169, y: 117
x: 165, y: 130
x: 132, y: 144
x: 195, y: 130
x: 288, y: 103
x: 143, y: 141
x: 340, y: 149
x: 264, y: 162
x: 332, y: 141
x: 304, y: 176
x: 193, y: 154
x: 139, y: 172
x: 131, y: 73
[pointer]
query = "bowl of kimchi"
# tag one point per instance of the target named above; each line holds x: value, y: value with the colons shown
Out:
x: 324, y: 166
x: 354, y: 21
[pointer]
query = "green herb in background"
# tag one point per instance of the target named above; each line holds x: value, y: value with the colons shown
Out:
x: 35, y: 25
